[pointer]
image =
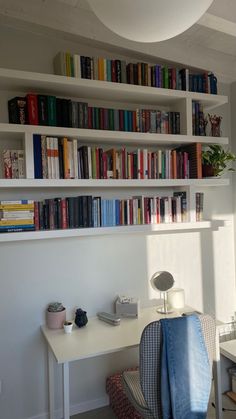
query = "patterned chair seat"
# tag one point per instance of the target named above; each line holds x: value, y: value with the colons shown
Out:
x: 143, y: 387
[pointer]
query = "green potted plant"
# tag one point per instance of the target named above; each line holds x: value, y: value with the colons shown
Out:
x: 215, y: 160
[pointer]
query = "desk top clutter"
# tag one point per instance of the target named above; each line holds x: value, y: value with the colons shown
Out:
x: 99, y: 338
x: 56, y: 317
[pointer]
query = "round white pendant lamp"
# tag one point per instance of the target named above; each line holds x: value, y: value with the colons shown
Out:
x: 149, y: 20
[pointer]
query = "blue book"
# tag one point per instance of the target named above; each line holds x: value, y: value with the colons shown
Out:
x: 113, y: 212
x: 110, y: 213
x: 200, y: 84
x: 104, y: 213
x: 38, y: 171
x: 159, y: 77
x: 107, y: 220
x: 126, y: 121
x: 108, y: 70
x: 18, y: 227
x: 117, y: 212
x: 95, y: 213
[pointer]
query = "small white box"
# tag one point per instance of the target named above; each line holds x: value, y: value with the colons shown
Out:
x: 128, y: 309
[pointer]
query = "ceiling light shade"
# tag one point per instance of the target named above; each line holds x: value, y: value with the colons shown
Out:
x: 149, y: 20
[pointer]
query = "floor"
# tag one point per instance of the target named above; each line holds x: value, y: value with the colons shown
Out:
x: 106, y: 412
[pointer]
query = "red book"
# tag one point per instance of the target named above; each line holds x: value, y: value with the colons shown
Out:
x: 158, y: 209
x: 186, y: 175
x: 123, y: 172
x: 134, y: 121
x: 32, y: 109
x: 149, y: 165
x: 36, y: 216
x: 104, y: 159
x: 173, y: 78
x: 113, y: 70
x: 132, y: 165
x: 121, y: 120
x: 147, y: 121
x: 97, y: 164
x: 145, y: 210
x: 205, y: 83
x: 141, y: 165
x: 51, y: 214
x: 131, y: 211
x: 64, y: 215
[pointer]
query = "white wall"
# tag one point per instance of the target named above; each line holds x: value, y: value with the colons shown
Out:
x: 90, y: 272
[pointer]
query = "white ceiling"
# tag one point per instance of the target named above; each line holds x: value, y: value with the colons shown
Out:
x: 209, y: 43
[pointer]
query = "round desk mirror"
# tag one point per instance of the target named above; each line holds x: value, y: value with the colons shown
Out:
x: 162, y: 281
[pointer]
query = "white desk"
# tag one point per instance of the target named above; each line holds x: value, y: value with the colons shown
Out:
x: 228, y: 349
x: 99, y: 338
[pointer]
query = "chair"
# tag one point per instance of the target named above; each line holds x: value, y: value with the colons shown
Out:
x: 143, y: 387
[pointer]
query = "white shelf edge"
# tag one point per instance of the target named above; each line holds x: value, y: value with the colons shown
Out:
x: 114, y: 136
x: 110, y: 183
x: 104, y: 231
x: 16, y: 79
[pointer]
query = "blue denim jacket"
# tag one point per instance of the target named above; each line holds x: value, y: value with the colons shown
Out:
x: 185, y: 369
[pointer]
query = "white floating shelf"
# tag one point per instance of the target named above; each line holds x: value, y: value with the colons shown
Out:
x: 110, y: 183
x: 105, y: 136
x: 103, y: 231
x: 82, y: 88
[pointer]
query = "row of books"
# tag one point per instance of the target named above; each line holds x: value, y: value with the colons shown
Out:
x: 16, y: 216
x: 118, y: 71
x: 52, y: 111
x: 13, y: 164
x: 88, y: 211
x: 199, y: 121
x: 63, y: 158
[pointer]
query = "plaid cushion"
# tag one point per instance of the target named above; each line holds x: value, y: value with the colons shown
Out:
x: 118, y: 400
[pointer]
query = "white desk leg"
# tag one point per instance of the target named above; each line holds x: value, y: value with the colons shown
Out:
x: 51, y: 390
x: 66, y: 395
x: 217, y: 380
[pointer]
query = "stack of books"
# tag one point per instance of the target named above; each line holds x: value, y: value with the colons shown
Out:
x: 118, y: 71
x: 16, y: 216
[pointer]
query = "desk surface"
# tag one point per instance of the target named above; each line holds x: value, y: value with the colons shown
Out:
x: 228, y: 349
x: 99, y: 338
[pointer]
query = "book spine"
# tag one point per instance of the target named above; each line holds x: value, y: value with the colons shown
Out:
x: 37, y: 156
x: 51, y: 110
x: 42, y: 110
x: 7, y: 164
x: 32, y: 109
x: 17, y: 110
